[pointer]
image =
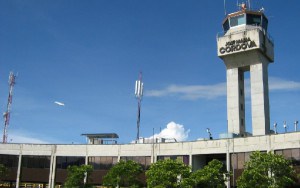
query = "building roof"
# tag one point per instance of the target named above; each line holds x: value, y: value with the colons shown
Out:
x: 101, y: 135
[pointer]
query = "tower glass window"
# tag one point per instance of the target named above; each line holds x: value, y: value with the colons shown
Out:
x: 226, y: 25
x: 253, y: 19
x: 237, y: 20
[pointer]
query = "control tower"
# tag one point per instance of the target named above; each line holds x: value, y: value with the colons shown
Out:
x: 246, y: 46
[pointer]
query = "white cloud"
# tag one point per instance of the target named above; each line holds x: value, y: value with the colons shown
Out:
x: 194, y: 92
x: 172, y: 132
x: 21, y: 138
x: 191, y: 92
x: 282, y: 84
x: 59, y: 103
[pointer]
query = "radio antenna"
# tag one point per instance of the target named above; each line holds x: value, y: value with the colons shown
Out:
x: 139, y: 86
x: 249, y: 4
x: 225, y: 7
x: 6, y: 114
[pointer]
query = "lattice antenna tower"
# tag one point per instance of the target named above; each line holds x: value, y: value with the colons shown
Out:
x: 6, y: 115
x: 139, y: 86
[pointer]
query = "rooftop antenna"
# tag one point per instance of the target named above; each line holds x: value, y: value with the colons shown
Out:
x: 275, y: 128
x: 285, y: 126
x: 6, y: 114
x: 249, y: 4
x: 225, y: 7
x: 139, y: 94
x: 209, y: 133
x: 296, y: 126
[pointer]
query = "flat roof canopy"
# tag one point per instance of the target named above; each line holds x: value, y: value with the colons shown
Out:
x: 101, y: 135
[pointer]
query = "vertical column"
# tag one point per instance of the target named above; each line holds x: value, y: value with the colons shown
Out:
x: 52, y: 167
x: 53, y: 172
x: 19, y: 167
x: 260, y: 99
x: 235, y: 99
x: 86, y: 163
x: 228, y: 162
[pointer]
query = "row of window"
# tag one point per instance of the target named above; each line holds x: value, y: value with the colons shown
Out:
x: 249, y: 19
x: 183, y: 158
x: 144, y: 161
x: 238, y: 159
x: 36, y: 161
x: 10, y: 161
x: 290, y: 154
x: 64, y: 162
x: 99, y: 163
x: 102, y: 163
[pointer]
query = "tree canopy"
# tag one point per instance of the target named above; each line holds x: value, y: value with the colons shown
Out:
x: 76, y: 175
x: 211, y: 176
x: 168, y: 174
x: 124, y: 173
x: 266, y: 170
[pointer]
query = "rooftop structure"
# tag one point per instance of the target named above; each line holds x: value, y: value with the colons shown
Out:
x: 101, y: 138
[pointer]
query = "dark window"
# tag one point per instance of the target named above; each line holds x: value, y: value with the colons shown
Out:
x: 290, y: 154
x: 242, y: 121
x: 64, y: 162
x: 242, y: 107
x: 9, y: 161
x: 265, y: 23
x: 253, y: 19
x: 144, y: 161
x: 183, y: 158
x: 35, y: 161
x: 226, y: 26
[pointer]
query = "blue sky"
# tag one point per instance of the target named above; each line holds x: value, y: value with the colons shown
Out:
x: 87, y: 54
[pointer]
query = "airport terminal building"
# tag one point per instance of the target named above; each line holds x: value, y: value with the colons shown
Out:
x: 245, y: 45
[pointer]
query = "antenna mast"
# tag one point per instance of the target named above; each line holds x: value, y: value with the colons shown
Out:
x: 6, y: 115
x: 225, y: 7
x: 249, y: 4
x: 139, y: 94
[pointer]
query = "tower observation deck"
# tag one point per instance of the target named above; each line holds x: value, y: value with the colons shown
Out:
x: 245, y: 45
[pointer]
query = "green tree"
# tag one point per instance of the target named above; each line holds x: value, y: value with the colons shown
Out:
x: 266, y: 170
x: 168, y: 174
x: 124, y: 173
x: 212, y: 175
x: 76, y: 175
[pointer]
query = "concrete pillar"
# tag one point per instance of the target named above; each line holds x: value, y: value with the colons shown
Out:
x: 50, y: 171
x: 19, y: 171
x: 260, y: 99
x: 228, y: 162
x: 52, y: 168
x: 235, y: 101
x: 19, y: 167
x: 53, y: 172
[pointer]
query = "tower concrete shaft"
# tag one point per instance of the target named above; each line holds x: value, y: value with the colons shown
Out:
x: 258, y: 67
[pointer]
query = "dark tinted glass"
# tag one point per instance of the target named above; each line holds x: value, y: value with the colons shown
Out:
x: 253, y: 19
x: 226, y: 25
